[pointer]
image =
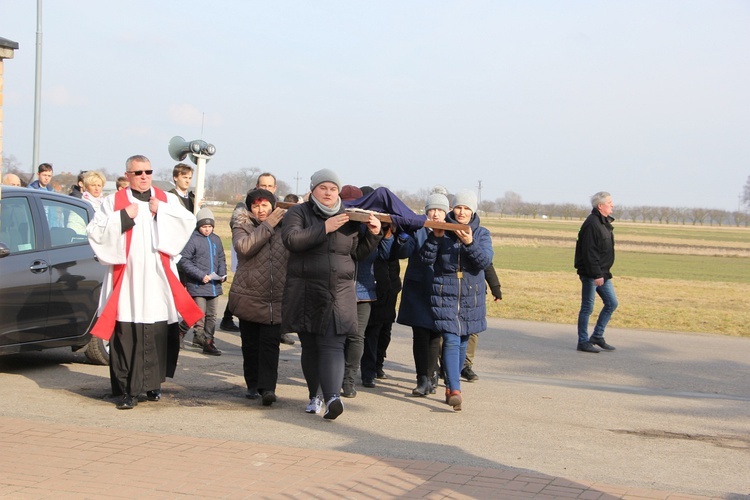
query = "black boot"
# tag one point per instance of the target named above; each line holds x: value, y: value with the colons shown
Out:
x: 423, y: 386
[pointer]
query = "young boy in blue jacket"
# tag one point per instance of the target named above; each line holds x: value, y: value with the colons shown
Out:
x: 205, y: 268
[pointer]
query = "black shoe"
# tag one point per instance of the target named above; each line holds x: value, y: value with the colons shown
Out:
x: 469, y: 374
x: 349, y: 391
x: 587, y: 347
x: 269, y: 397
x: 368, y: 382
x: 153, y: 395
x: 423, y: 386
x: 380, y: 374
x: 211, y: 349
x: 334, y: 408
x: 434, y: 382
x: 252, y: 393
x: 198, y: 341
x: 127, y: 403
x: 601, y: 343
x: 286, y: 338
x: 228, y: 326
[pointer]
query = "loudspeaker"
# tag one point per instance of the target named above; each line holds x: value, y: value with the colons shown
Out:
x: 179, y: 149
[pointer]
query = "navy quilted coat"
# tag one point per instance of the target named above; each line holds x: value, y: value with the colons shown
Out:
x: 458, y: 294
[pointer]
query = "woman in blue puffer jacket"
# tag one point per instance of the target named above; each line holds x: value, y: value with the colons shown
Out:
x: 459, y: 291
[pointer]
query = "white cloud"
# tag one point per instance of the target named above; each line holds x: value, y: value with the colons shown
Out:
x: 187, y: 114
x: 141, y: 131
x: 59, y: 95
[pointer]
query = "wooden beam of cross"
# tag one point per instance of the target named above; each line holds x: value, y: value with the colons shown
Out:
x: 359, y: 215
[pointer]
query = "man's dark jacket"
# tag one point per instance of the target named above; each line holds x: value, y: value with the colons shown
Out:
x: 595, y: 248
x: 187, y: 202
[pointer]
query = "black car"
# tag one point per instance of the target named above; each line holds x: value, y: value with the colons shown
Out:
x: 49, y: 276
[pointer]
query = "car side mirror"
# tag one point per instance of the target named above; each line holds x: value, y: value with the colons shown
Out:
x: 4, y: 250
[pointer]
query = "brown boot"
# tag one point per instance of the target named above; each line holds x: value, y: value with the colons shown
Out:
x: 455, y: 400
x: 211, y: 349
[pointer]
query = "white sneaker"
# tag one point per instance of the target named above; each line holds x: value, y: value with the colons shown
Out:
x: 315, y: 405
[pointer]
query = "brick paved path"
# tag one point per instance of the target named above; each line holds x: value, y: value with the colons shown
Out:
x: 42, y: 460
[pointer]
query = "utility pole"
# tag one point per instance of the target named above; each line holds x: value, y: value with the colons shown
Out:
x: 296, y: 190
x: 37, y: 88
x: 479, y: 197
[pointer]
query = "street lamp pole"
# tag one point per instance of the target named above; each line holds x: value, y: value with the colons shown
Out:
x: 37, y: 87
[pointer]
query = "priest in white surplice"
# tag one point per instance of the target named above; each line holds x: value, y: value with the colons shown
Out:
x: 137, y: 232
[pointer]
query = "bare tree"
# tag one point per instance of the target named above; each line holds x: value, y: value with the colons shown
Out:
x: 717, y: 216
x: 533, y: 209
x: 663, y: 214
x: 509, y: 203
x: 11, y: 165
x: 741, y: 218
x: 487, y: 206
x: 569, y: 211
x: 697, y: 215
x: 163, y: 174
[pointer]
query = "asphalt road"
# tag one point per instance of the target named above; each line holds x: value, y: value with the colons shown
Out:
x: 665, y: 411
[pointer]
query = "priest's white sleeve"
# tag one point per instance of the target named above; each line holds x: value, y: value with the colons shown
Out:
x: 174, y: 225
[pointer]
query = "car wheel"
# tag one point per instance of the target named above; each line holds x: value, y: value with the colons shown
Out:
x: 97, y: 351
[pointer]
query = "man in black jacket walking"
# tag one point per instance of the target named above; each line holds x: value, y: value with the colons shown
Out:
x: 595, y: 255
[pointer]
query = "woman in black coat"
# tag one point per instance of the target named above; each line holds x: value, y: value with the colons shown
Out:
x: 320, y: 301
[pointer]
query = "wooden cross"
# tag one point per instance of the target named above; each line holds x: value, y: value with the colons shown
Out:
x: 359, y: 215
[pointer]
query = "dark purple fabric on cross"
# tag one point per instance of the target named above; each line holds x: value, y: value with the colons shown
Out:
x: 384, y: 201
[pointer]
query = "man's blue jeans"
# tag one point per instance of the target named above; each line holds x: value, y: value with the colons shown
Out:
x: 454, y: 354
x: 607, y: 293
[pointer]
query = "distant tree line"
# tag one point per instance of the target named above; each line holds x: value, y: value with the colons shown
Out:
x: 512, y: 205
x: 231, y: 187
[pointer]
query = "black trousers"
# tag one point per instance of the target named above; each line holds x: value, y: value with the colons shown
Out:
x: 323, y: 361
x: 138, y: 357
x: 260, y: 355
x: 384, y: 340
x: 355, y: 344
x: 426, y: 350
x: 377, y: 339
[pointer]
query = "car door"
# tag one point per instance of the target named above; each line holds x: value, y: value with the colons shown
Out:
x: 75, y: 274
x: 25, y: 283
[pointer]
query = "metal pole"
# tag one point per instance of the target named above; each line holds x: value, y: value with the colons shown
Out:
x: 200, y: 172
x: 38, y: 87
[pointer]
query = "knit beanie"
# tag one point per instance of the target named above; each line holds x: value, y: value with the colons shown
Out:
x: 205, y: 218
x: 437, y: 200
x: 437, y: 188
x: 466, y: 198
x: 324, y: 175
x: 259, y: 194
x: 350, y: 192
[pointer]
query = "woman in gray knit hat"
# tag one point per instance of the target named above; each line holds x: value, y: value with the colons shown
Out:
x: 459, y: 259
x: 320, y: 301
x: 415, y: 308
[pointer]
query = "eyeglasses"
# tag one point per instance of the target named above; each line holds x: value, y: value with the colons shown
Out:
x: 140, y: 172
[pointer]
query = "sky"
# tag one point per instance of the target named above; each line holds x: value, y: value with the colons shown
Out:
x: 554, y: 100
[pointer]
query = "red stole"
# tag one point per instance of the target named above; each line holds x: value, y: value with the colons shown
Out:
x: 184, y: 303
